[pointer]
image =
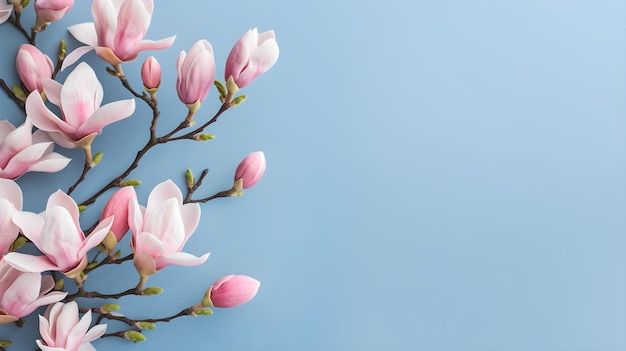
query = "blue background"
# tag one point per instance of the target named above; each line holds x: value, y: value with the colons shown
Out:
x: 442, y: 175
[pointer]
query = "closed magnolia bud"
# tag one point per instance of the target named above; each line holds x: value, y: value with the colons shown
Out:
x: 118, y: 206
x: 251, y: 169
x: 231, y: 291
x: 33, y: 67
x: 151, y: 73
x: 50, y: 11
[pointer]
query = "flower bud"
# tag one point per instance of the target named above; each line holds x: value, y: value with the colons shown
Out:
x: 134, y: 336
x: 231, y: 291
x: 117, y: 206
x: 196, y: 73
x: 33, y: 67
x: 151, y: 74
x: 50, y: 11
x: 251, y: 169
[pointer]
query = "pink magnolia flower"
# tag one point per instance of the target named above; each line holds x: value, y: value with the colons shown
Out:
x: 21, y: 151
x: 196, y: 72
x: 161, y: 230
x: 79, y: 100
x: 33, y: 66
x: 231, y: 291
x: 56, y: 233
x: 61, y: 330
x: 117, y: 31
x: 50, y: 11
x: 151, y: 73
x: 251, y: 169
x: 23, y: 292
x: 252, y: 55
x: 10, y: 203
x: 5, y: 12
x: 118, y: 207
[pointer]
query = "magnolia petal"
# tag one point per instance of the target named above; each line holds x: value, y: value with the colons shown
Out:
x: 31, y: 225
x: 48, y: 299
x: 22, y: 161
x: 44, y: 330
x: 263, y: 58
x: 163, y: 191
x: 107, y: 114
x: 61, y: 242
x: 43, y: 118
x: 77, y: 332
x: 12, y: 192
x: 105, y: 20
x: 95, y: 332
x: 153, y: 45
x: 5, y: 128
x: 65, y: 323
x: 61, y: 199
x: 5, y: 12
x: 96, y: 236
x: 149, y: 244
x: 134, y: 19
x: 180, y: 259
x: 85, y: 33
x: 108, y: 55
x: 52, y: 88
x: 50, y: 163
x: 81, y: 95
x: 75, y: 55
x: 30, y: 263
x: 240, y: 53
x: 135, y: 217
x: 191, y: 218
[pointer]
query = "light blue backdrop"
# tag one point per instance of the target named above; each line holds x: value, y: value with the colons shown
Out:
x: 442, y: 175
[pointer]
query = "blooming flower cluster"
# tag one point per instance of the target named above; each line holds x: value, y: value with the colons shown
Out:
x: 49, y: 279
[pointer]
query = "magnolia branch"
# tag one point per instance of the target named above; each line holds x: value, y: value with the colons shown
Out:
x: 152, y: 141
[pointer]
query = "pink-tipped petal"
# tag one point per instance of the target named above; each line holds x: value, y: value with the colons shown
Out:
x: 107, y: 114
x: 181, y: 259
x: 81, y: 95
x: 29, y: 263
x: 43, y: 118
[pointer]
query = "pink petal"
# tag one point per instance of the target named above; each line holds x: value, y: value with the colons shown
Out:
x: 50, y: 163
x: 133, y: 20
x: 76, y: 334
x: 5, y: 128
x: 81, y: 95
x: 96, y: 236
x: 164, y: 191
x: 240, y: 54
x: 31, y: 225
x: 164, y: 222
x: 43, y: 118
x: 95, y: 332
x: 11, y: 191
x: 85, y: 33
x: 263, y: 58
x: 149, y: 244
x: 191, y: 217
x: 61, y: 199
x: 105, y: 20
x: 106, y: 115
x: 29, y: 263
x: 61, y: 242
x: 75, y: 55
x: 22, y: 161
x: 180, y: 259
x: 52, y: 88
x: 65, y: 323
x: 152, y: 45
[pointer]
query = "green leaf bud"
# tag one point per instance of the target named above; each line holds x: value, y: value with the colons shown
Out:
x: 134, y: 336
x: 131, y: 182
x: 81, y: 208
x: 203, y: 312
x: 190, y: 178
x: 239, y: 100
x: 152, y: 290
x: 220, y: 87
x: 109, y: 307
x: 96, y: 159
x: 145, y: 325
x: 205, y: 137
x: 18, y: 243
x: 62, y: 49
x: 5, y: 343
x: 18, y: 92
